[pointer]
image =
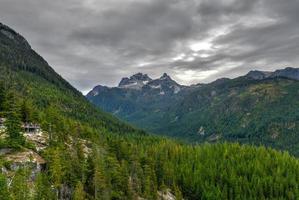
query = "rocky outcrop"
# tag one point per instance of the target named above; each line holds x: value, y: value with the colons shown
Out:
x: 25, y: 158
x: 166, y: 195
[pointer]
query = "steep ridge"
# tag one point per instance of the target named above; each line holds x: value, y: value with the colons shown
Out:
x: 23, y: 69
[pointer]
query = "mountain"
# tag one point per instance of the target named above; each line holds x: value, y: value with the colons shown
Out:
x: 258, y: 108
x: 138, y: 96
x: 89, y: 154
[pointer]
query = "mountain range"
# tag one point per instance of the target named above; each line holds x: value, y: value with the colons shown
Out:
x: 90, y: 154
x: 259, y: 107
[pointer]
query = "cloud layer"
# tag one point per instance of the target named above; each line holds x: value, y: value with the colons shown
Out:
x: 99, y: 41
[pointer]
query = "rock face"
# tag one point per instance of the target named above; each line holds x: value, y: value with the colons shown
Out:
x: 164, y: 85
x: 97, y: 90
x: 22, y: 159
x: 166, y: 195
x: 137, y: 81
x: 163, y: 195
x: 142, y: 82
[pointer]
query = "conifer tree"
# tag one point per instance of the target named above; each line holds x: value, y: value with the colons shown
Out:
x: 43, y: 190
x: 100, y: 183
x: 4, y: 193
x: 19, y: 187
x: 14, y: 123
x: 79, y: 193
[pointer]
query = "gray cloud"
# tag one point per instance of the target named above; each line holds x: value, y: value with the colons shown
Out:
x: 99, y: 41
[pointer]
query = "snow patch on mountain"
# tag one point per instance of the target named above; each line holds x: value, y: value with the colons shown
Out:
x: 137, y: 81
x: 162, y: 93
x: 155, y: 86
x: 176, y: 89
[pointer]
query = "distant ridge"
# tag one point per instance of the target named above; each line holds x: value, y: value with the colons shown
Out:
x: 289, y: 72
x: 260, y: 106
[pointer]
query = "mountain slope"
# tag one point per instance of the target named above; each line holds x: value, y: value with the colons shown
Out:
x: 30, y: 75
x: 91, y: 155
x: 259, y: 108
x: 245, y: 110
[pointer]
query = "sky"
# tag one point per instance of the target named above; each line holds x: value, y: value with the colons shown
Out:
x: 91, y: 42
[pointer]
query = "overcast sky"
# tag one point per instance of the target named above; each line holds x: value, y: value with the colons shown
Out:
x: 92, y: 42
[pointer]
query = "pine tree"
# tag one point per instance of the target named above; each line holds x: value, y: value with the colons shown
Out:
x: 4, y: 193
x: 43, y: 190
x: 2, y: 97
x: 178, y: 193
x: 14, y: 123
x: 56, y: 168
x: 79, y: 193
x: 19, y: 187
x: 100, y: 183
x: 27, y: 112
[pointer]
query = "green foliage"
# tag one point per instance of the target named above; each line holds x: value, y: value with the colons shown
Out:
x: 14, y: 123
x: 19, y: 188
x: 43, y: 190
x: 79, y: 193
x: 4, y: 193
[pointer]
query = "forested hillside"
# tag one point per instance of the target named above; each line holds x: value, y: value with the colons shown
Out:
x: 92, y: 155
x: 243, y: 109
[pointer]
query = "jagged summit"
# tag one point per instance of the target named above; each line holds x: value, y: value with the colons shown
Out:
x: 140, y: 80
x: 143, y: 85
x: 141, y: 76
x: 136, y: 81
x: 165, y: 85
x: 165, y: 76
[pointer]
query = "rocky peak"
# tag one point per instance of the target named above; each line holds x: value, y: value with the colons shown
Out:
x: 97, y: 90
x: 165, y: 76
x: 141, y: 77
x: 137, y: 81
x: 165, y: 85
